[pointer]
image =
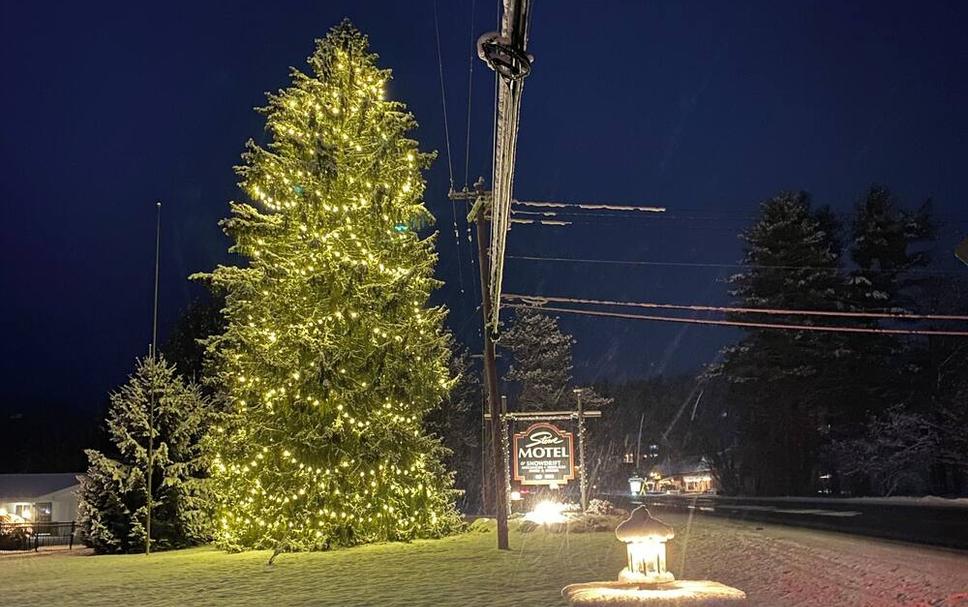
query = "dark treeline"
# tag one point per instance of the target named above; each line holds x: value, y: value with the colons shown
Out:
x: 845, y: 413
x: 798, y: 412
x: 783, y: 412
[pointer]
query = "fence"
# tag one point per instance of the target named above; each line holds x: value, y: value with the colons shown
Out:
x: 34, y: 536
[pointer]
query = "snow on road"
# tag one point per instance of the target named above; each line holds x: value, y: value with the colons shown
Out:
x: 784, y: 566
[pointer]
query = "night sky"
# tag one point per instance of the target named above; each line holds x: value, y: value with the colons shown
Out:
x: 705, y: 108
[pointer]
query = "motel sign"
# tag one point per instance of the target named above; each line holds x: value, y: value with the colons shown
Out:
x: 543, y: 455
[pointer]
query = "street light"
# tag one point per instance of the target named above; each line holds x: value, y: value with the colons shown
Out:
x: 635, y: 485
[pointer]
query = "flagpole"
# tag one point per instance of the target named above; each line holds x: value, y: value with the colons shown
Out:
x: 153, y: 376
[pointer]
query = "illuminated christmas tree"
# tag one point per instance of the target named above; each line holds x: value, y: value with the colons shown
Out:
x: 331, y: 357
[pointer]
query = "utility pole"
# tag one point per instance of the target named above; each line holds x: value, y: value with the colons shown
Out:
x: 153, y: 378
x: 478, y: 215
x: 582, y: 481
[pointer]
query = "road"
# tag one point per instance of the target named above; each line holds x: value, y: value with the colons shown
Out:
x: 912, y: 521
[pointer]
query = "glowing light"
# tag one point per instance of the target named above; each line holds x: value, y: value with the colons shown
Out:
x: 645, y: 539
x: 547, y: 512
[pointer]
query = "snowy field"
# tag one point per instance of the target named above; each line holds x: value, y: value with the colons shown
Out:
x: 775, y: 565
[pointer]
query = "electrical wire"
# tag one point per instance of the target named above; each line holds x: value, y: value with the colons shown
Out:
x: 536, y: 299
x: 687, y: 264
x: 591, y: 206
x: 514, y: 28
x: 443, y: 95
x: 450, y: 166
x: 470, y: 90
x: 752, y: 325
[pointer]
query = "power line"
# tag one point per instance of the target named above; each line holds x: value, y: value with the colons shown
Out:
x: 589, y: 206
x: 467, y: 144
x: 700, y: 214
x: 688, y: 264
x: 538, y: 299
x: 544, y: 222
x: 505, y: 52
x: 751, y: 325
x: 470, y: 89
x: 443, y: 95
x: 450, y: 167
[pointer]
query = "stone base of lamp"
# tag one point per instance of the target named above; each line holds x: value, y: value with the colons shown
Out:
x: 679, y: 593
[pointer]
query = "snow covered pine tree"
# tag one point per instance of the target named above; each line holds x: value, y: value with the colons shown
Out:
x: 113, y: 496
x: 541, y: 360
x: 331, y: 357
x: 541, y: 364
x: 780, y: 381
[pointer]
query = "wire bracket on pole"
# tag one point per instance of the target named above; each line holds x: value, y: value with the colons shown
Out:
x: 500, y: 54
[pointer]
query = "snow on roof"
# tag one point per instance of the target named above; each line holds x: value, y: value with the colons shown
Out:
x: 641, y: 525
x: 35, y: 485
x: 686, y: 465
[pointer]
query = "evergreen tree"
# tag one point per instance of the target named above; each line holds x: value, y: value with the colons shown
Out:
x: 114, y: 495
x: 457, y: 421
x: 782, y: 381
x: 541, y: 361
x: 881, y: 371
x: 331, y: 358
x: 185, y: 347
x: 883, y: 246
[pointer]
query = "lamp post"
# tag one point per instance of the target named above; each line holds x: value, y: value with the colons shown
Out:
x: 635, y: 485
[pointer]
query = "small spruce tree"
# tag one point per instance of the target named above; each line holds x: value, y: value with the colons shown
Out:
x: 541, y: 360
x: 541, y: 364
x: 113, y: 498
x: 331, y: 357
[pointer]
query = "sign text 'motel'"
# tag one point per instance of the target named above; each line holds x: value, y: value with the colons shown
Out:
x: 544, y: 455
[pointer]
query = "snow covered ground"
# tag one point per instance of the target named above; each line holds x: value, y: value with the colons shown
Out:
x: 777, y: 566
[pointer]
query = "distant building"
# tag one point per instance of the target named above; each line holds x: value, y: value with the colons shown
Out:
x: 687, y: 475
x: 39, y: 498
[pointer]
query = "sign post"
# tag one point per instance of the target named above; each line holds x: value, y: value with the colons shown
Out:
x: 544, y: 454
x: 583, y: 481
x: 505, y: 444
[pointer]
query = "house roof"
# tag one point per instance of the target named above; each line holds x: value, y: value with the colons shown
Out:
x: 35, y: 485
x: 687, y: 465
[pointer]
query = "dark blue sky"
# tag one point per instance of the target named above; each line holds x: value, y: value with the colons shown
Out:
x: 706, y: 108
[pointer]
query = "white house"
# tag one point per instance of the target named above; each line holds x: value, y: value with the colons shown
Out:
x: 40, y: 498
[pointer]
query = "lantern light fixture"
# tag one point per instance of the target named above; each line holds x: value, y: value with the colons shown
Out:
x: 645, y: 540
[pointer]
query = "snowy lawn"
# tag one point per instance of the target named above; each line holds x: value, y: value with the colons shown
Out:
x: 776, y: 566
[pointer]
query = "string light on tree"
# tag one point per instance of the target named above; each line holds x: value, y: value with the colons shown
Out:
x: 331, y: 357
